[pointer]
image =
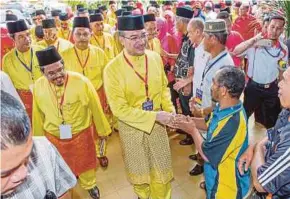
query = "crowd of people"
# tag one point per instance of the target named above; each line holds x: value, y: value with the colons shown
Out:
x: 198, y: 68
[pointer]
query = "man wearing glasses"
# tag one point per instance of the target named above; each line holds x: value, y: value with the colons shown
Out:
x: 69, y: 117
x: 89, y: 61
x: 136, y: 88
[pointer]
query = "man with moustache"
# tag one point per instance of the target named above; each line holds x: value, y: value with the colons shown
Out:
x: 136, y: 88
x: 151, y: 29
x: 21, y: 63
x: 64, y: 31
x: 66, y: 109
x: 227, y: 136
x: 31, y: 168
x: 89, y: 61
x: 50, y: 37
x: 100, y: 38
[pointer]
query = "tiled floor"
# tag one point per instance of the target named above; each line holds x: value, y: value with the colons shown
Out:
x: 113, y: 184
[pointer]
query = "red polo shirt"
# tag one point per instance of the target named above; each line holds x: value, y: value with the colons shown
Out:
x: 233, y: 40
x: 246, y: 26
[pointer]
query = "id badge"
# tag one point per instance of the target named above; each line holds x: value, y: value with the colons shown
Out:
x: 65, y: 131
x: 148, y: 105
x: 198, y: 98
x: 31, y: 87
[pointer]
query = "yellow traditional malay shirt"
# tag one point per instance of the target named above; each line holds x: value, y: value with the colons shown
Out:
x: 112, y: 22
x: 60, y: 44
x: 21, y: 76
x: 105, y: 42
x: 90, y: 62
x: 81, y: 106
x: 64, y: 34
x: 32, y: 33
x: 154, y: 45
x: 111, y: 14
x: 144, y: 142
x: 119, y: 46
x: 126, y: 91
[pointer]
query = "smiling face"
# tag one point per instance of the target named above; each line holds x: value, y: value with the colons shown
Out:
x: 55, y: 73
x: 134, y: 42
x: 14, y: 166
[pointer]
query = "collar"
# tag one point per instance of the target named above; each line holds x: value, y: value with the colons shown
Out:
x: 132, y: 58
x: 79, y: 51
x: 221, y: 114
x: 23, y: 53
x: 218, y: 56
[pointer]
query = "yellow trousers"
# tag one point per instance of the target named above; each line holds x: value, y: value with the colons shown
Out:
x: 88, y: 179
x: 153, y: 190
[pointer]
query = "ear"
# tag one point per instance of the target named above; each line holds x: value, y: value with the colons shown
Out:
x: 122, y: 40
x: 223, y: 90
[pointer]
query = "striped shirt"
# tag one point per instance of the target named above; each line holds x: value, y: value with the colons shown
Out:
x: 274, y: 175
x: 48, y: 174
x: 227, y: 139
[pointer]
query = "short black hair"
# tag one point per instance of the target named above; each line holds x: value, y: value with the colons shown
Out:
x: 15, y: 123
x: 233, y: 79
x: 279, y: 17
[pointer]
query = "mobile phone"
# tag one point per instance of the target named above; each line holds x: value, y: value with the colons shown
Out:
x: 264, y: 43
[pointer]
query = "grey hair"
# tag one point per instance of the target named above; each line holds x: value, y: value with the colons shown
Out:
x: 221, y: 37
x: 233, y: 79
x: 121, y: 33
x: 182, y: 19
x: 196, y: 23
x: 15, y: 123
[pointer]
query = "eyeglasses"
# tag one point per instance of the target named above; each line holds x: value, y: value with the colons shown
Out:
x: 137, y: 38
x: 53, y: 74
x: 80, y: 34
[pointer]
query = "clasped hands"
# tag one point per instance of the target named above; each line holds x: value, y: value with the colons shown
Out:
x: 176, y: 121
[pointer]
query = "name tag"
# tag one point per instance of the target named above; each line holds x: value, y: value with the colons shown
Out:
x: 65, y: 131
x: 148, y: 105
x: 198, y: 97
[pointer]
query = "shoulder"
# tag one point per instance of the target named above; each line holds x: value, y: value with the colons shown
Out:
x: 39, y: 83
x: 43, y: 146
x: 96, y: 49
x: 9, y: 55
x: 106, y: 34
x: 37, y: 47
x: 115, y: 64
x: 67, y: 51
x: 64, y: 41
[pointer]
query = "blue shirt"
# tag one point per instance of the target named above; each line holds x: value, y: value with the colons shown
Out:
x: 227, y: 139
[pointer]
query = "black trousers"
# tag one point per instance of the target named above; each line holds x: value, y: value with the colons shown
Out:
x: 174, y: 95
x: 256, y: 95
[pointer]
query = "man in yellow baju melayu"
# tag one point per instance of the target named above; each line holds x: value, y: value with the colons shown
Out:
x: 112, y: 9
x: 66, y: 109
x: 89, y: 61
x: 37, y: 18
x: 107, y: 20
x: 151, y: 29
x: 100, y: 38
x: 21, y: 63
x: 50, y: 37
x: 64, y: 31
x: 136, y: 89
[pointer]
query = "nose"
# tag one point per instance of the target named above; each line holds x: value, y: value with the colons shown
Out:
x: 20, y: 174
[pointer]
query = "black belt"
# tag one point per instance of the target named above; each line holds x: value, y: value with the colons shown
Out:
x: 266, y: 86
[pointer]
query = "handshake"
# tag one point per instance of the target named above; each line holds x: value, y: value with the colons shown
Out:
x: 176, y: 121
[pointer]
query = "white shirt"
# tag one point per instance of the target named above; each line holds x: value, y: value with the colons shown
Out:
x: 226, y: 60
x: 200, y: 60
x: 211, y: 15
x: 8, y: 87
x: 263, y: 67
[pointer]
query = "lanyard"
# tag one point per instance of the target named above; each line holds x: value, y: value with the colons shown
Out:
x: 210, y: 66
x: 145, y: 80
x: 86, y: 61
x: 99, y: 43
x: 29, y: 69
x: 60, y: 105
x: 67, y: 35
